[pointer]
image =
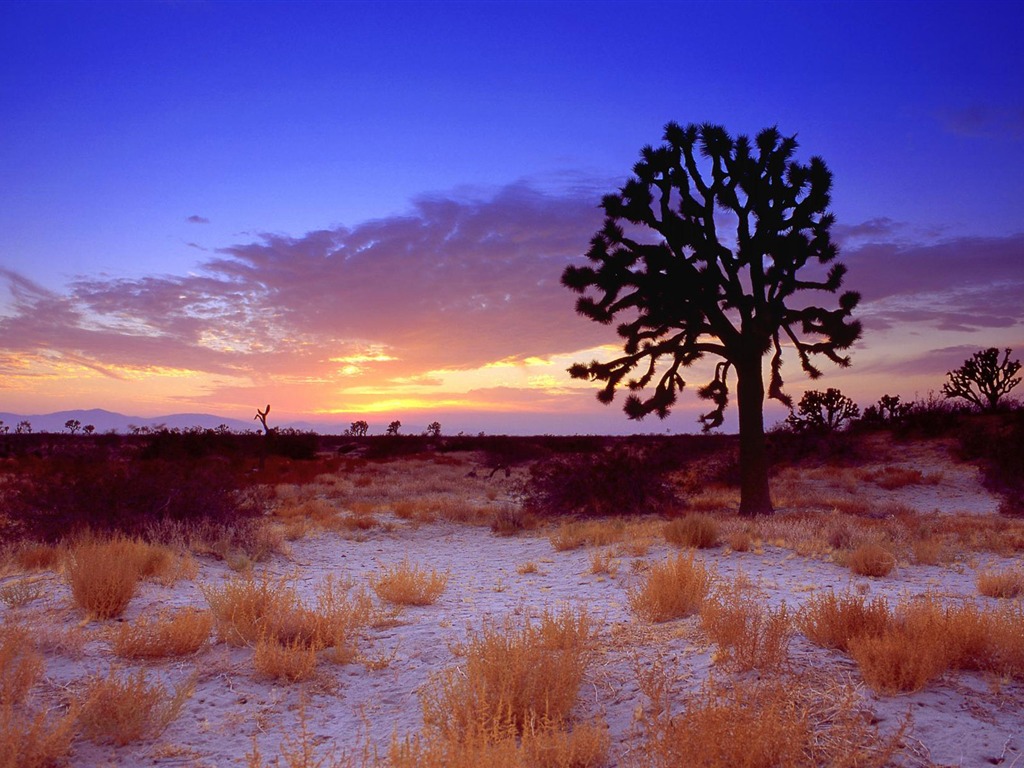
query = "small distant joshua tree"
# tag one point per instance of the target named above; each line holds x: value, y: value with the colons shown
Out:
x: 823, y: 411
x: 262, y: 417
x: 358, y: 428
x: 72, y: 426
x: 88, y: 429
x: 23, y: 428
x: 434, y: 429
x: 393, y: 428
x: 4, y: 429
x: 888, y: 410
x: 983, y: 379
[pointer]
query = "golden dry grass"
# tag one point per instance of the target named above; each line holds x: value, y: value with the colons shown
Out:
x: 248, y: 611
x: 831, y: 620
x: 405, y: 583
x: 102, y: 577
x: 696, y: 531
x: 511, y: 676
x: 180, y: 633
x: 672, y: 589
x: 777, y: 722
x: 122, y: 708
x: 871, y: 559
x: 290, y: 661
x: 1002, y: 584
x: 748, y: 635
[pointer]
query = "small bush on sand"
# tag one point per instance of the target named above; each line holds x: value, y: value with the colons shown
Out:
x: 125, y: 708
x: 777, y: 721
x: 1002, y: 584
x: 511, y: 677
x: 871, y: 559
x: 748, y: 635
x: 696, y: 531
x: 407, y: 584
x: 289, y: 661
x: 831, y: 621
x: 102, y: 577
x: 169, y: 634
x: 673, y: 589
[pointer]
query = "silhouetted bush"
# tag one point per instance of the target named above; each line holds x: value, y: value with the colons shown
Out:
x: 292, y: 444
x: 54, y: 497
x: 998, y: 442
x: 621, y: 480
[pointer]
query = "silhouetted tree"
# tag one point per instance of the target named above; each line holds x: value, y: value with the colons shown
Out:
x: 4, y: 429
x: 687, y: 289
x: 393, y: 428
x: 262, y: 416
x: 88, y: 429
x: 824, y: 411
x: 359, y: 428
x: 983, y: 379
x: 72, y: 425
x: 23, y: 428
x: 434, y: 429
x: 888, y: 410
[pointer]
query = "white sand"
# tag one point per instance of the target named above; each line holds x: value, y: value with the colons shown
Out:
x: 959, y: 720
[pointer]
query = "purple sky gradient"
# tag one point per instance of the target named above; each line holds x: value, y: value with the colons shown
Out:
x: 365, y: 208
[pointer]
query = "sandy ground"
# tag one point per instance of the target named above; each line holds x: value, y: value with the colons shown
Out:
x: 961, y: 720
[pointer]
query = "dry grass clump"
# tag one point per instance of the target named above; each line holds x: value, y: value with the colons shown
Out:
x: 871, y: 559
x: 831, y: 621
x: 511, y: 677
x: 740, y: 541
x: 407, y: 584
x: 602, y: 561
x: 673, y: 589
x: 290, y: 661
x: 891, y: 478
x: 103, y: 577
x: 19, y: 592
x: 1002, y: 584
x: 593, y: 533
x: 696, y: 531
x: 541, y: 745
x: 169, y: 634
x: 39, y: 557
x: 123, y: 709
x: 28, y: 738
x: 748, y: 635
x: 776, y: 722
x: 248, y: 611
x: 528, y: 567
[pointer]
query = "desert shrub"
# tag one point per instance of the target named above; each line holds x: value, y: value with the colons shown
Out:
x: 64, y: 494
x: 125, y: 708
x: 748, y: 635
x: 768, y: 723
x: 511, y: 677
x: 168, y: 634
x: 871, y: 559
x: 247, y: 610
x: 831, y: 621
x: 908, y: 653
x: 694, y: 530
x: 103, y: 576
x: 28, y: 738
x: 291, y: 661
x: 997, y: 440
x: 1002, y: 584
x: 508, y: 521
x: 407, y: 584
x: 619, y: 481
x: 671, y: 590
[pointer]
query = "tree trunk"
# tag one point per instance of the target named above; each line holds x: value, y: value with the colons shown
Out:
x: 755, y: 498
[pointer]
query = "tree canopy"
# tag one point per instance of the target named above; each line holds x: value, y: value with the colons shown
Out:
x: 712, y: 248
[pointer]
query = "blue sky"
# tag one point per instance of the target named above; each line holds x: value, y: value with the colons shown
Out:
x: 143, y: 143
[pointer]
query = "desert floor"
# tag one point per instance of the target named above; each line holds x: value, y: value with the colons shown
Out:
x: 962, y: 718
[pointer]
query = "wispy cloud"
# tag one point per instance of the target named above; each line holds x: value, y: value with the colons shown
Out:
x: 456, y: 302
x: 196, y: 219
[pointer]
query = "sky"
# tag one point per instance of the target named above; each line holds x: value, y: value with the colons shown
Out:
x: 362, y: 210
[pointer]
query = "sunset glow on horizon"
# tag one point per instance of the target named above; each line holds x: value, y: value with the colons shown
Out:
x: 362, y: 210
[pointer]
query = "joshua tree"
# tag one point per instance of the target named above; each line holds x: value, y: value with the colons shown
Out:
x: 88, y: 429
x: 72, y: 425
x: 824, y: 411
x: 23, y: 428
x: 983, y: 379
x: 359, y: 428
x: 887, y: 410
x: 262, y: 416
x: 685, y: 288
x: 393, y: 428
x: 434, y: 429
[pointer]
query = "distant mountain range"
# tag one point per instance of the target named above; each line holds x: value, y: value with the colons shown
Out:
x: 106, y: 421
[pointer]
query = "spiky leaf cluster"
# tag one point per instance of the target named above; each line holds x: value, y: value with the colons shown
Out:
x: 682, y: 289
x: 822, y: 411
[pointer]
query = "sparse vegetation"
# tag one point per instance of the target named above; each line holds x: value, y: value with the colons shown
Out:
x: 696, y: 531
x: 125, y: 707
x: 672, y: 589
x: 407, y: 584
